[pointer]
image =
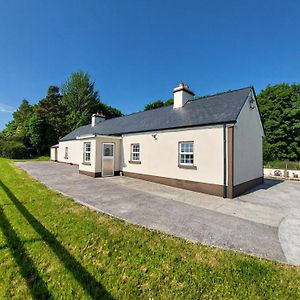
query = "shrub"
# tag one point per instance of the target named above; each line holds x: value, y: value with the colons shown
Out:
x: 291, y: 165
x: 13, y: 150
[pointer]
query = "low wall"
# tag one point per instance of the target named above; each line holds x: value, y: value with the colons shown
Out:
x: 282, y: 173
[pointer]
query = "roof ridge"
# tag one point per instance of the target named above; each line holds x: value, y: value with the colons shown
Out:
x: 195, y: 99
x: 221, y: 93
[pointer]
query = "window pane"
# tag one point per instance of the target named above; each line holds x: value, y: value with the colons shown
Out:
x: 135, y: 156
x: 187, y: 159
x: 135, y: 152
x: 186, y: 147
x: 135, y: 148
x: 108, y: 150
x: 87, y: 147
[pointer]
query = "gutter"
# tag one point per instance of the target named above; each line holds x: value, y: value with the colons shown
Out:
x: 81, y: 137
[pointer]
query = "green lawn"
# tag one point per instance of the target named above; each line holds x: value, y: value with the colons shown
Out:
x: 51, y: 247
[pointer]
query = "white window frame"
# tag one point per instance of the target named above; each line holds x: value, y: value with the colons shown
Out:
x: 85, y: 152
x: 133, y: 152
x: 66, y: 153
x: 185, y: 153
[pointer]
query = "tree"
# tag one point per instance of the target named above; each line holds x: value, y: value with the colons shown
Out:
x: 80, y: 99
x: 169, y: 102
x: 153, y: 105
x: 54, y: 112
x: 22, y: 113
x: 108, y: 111
x: 16, y: 129
x: 280, y: 110
x: 158, y: 103
x: 40, y: 133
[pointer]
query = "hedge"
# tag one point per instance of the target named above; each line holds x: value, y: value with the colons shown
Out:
x: 13, y: 150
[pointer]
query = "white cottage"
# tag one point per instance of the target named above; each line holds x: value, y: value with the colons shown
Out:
x: 207, y: 144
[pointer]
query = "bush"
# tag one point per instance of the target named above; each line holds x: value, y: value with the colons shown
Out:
x: 291, y: 165
x: 13, y: 150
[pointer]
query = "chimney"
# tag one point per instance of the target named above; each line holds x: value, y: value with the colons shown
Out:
x: 97, y: 118
x: 182, y: 94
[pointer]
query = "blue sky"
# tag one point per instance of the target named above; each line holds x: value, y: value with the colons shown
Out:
x: 138, y: 51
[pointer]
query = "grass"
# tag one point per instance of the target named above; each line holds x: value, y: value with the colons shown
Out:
x: 290, y: 165
x: 38, y: 158
x: 54, y: 248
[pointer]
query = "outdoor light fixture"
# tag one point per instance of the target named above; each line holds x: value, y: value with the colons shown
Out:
x: 154, y: 136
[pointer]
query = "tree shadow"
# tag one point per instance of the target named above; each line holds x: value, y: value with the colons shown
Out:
x: 35, y: 283
x: 82, y: 276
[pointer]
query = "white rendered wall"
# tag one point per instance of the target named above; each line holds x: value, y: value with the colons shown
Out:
x: 52, y: 153
x: 75, y: 153
x: 248, y: 148
x: 160, y: 157
x: 90, y: 166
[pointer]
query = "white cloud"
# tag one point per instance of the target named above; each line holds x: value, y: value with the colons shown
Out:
x: 6, y: 108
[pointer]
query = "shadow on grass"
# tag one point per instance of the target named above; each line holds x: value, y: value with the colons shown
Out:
x: 35, y: 283
x: 83, y: 277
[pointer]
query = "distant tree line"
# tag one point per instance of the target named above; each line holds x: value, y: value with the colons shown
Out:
x: 158, y: 103
x: 280, y: 110
x: 34, y: 128
x: 37, y: 127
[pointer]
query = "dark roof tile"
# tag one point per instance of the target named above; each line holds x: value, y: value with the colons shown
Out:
x: 216, y: 109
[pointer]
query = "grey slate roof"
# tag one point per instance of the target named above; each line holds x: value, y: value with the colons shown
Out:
x: 216, y: 109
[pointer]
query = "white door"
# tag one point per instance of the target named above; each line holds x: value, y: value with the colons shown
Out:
x: 108, y: 162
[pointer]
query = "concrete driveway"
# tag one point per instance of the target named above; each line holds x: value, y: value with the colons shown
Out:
x: 264, y: 222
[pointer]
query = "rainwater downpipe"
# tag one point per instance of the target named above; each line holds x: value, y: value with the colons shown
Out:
x: 224, y: 163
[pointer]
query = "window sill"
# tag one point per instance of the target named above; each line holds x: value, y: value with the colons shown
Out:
x: 187, y: 167
x: 86, y: 163
x: 137, y: 162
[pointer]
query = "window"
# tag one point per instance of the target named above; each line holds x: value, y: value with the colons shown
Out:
x: 186, y: 153
x: 66, y: 152
x: 108, y: 150
x: 87, y: 152
x: 135, y: 152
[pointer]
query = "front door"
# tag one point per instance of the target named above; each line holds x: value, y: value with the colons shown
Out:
x: 55, y: 154
x: 108, y: 162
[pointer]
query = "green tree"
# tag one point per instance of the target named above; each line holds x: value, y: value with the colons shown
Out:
x: 153, y: 105
x: 158, y: 103
x: 16, y: 129
x: 169, y: 102
x: 54, y: 112
x: 80, y: 99
x: 40, y: 133
x: 280, y: 110
x: 22, y: 113
x: 108, y: 111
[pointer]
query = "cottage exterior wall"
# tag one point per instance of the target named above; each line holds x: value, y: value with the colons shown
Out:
x: 248, y: 147
x: 75, y: 152
x: 159, y: 155
x: 52, y: 153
